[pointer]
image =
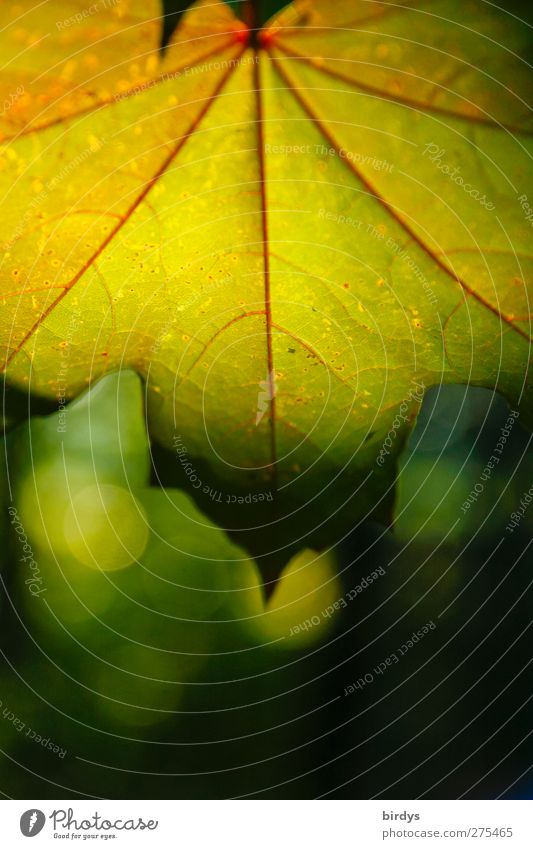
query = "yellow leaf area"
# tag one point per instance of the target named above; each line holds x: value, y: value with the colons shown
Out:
x: 288, y: 234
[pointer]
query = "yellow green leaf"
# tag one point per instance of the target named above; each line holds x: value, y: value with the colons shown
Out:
x: 288, y: 234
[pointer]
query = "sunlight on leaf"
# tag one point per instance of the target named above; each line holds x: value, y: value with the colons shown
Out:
x: 287, y: 237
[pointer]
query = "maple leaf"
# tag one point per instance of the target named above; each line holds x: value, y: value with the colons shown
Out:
x: 340, y: 200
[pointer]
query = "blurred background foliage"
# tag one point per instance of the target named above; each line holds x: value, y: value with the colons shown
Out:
x: 151, y: 658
